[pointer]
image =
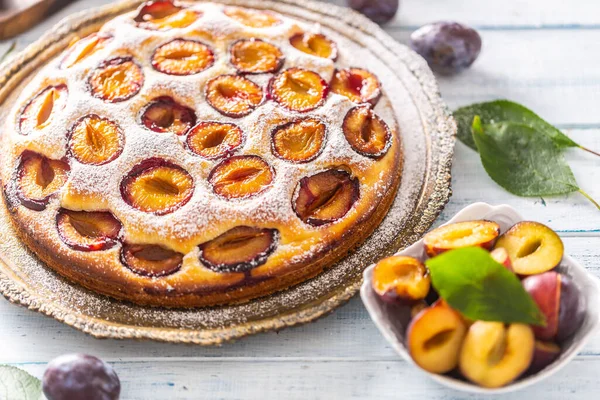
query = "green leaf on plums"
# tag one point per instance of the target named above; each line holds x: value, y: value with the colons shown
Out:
x: 505, y: 111
x: 523, y: 161
x: 480, y: 288
x: 18, y: 384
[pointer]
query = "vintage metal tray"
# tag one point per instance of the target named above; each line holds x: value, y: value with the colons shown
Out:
x: 428, y: 139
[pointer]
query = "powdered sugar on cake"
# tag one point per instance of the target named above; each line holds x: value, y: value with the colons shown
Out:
x: 206, y: 215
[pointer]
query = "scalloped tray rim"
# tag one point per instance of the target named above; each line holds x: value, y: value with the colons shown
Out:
x: 429, y: 205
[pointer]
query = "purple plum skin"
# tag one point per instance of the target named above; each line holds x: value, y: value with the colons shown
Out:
x: 448, y: 47
x: 571, y: 312
x: 80, y: 377
x: 380, y: 11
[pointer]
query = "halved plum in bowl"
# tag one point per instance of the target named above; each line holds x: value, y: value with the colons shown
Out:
x: 494, y: 357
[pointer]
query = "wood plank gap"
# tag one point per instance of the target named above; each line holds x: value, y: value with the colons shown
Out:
x: 216, y: 359
x: 578, y: 126
x: 576, y: 233
x: 503, y: 28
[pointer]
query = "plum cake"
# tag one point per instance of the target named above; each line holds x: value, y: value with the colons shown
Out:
x: 195, y: 154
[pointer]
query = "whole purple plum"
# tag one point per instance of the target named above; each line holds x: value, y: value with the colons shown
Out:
x: 448, y: 47
x: 80, y: 377
x: 380, y: 11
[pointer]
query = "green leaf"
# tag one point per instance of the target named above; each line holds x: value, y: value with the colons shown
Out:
x: 505, y: 111
x: 522, y: 160
x: 478, y: 287
x: 18, y: 385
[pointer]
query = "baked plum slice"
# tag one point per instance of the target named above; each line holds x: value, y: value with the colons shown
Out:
x: 84, y: 48
x: 95, y: 140
x: 325, y: 197
x: 359, y: 85
x: 314, y: 44
x: 479, y: 233
x: 117, y: 79
x: 162, y: 15
x: 150, y: 259
x: 239, y: 249
x: 38, y: 112
x: 165, y: 115
x: 366, y: 132
x: 214, y: 139
x: 157, y: 186
x: 233, y: 96
x: 37, y: 178
x: 87, y: 230
x: 298, y: 89
x: 241, y: 176
x: 255, y: 56
x: 252, y: 18
x: 300, y: 140
x: 182, y: 57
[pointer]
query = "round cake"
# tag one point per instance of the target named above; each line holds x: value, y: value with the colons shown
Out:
x: 194, y: 154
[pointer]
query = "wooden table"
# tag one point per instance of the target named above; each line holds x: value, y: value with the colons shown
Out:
x: 543, y: 53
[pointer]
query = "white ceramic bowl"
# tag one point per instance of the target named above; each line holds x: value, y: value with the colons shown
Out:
x: 392, y: 320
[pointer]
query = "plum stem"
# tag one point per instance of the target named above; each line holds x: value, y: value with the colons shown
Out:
x: 587, y: 196
x: 590, y: 151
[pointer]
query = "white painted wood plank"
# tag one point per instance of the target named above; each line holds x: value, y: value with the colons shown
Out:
x: 553, y: 72
x: 497, y: 14
x: 26, y: 336
x: 304, y: 379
